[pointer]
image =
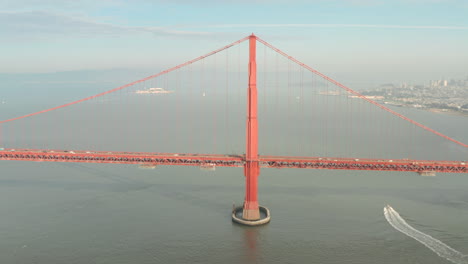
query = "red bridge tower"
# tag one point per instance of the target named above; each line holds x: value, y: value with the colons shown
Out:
x: 251, y: 210
x: 251, y: 167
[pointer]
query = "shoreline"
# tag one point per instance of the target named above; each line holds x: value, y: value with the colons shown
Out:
x: 445, y: 111
x: 429, y: 109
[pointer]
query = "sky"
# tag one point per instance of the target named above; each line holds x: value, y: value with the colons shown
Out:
x: 384, y: 39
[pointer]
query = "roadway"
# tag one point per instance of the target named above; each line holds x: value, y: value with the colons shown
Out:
x: 211, y: 161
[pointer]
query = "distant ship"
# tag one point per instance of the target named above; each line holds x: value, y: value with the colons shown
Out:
x: 329, y: 93
x: 153, y: 91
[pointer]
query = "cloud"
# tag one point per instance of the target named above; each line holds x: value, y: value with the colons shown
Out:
x: 377, y: 26
x: 55, y: 4
x: 66, y: 5
x: 43, y: 25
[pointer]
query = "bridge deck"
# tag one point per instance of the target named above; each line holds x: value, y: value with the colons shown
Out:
x: 184, y: 159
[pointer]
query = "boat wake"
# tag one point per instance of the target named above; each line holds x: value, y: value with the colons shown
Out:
x: 441, y: 249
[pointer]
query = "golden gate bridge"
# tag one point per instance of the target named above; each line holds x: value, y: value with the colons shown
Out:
x: 23, y: 136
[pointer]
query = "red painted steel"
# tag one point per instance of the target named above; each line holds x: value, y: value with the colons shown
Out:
x: 252, y: 122
x: 210, y: 160
x: 233, y: 44
x: 251, y: 167
x: 406, y: 165
x: 360, y: 95
x: 251, y: 162
x: 144, y: 158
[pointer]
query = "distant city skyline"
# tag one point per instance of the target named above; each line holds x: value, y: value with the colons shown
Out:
x: 379, y: 38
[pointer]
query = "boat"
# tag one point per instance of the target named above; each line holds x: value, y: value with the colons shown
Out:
x: 153, y: 91
x: 208, y: 167
x: 147, y: 166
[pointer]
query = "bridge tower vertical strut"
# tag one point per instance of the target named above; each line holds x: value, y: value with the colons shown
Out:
x: 252, y: 167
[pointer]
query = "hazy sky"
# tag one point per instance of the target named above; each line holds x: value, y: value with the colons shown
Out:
x: 371, y: 37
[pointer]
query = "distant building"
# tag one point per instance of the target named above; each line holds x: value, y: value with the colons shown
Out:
x: 435, y: 83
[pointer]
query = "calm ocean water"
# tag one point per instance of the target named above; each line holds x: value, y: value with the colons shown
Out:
x: 93, y: 213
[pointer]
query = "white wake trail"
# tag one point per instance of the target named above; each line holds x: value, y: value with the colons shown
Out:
x: 441, y: 249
